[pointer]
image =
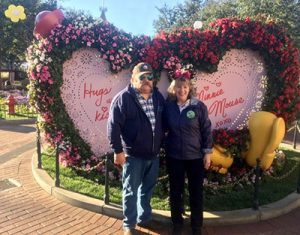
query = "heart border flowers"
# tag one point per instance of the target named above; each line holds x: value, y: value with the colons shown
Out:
x: 167, y: 51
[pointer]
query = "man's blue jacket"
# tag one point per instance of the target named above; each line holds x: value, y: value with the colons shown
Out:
x: 128, y: 127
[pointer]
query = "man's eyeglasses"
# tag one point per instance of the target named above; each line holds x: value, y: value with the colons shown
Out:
x: 146, y: 76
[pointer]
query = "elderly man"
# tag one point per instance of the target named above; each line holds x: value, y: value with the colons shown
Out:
x: 135, y: 133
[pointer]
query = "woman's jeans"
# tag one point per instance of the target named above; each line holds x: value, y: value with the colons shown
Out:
x: 194, y: 171
x: 139, y: 178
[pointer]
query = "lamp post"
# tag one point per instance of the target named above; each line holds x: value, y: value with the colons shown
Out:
x: 198, y: 24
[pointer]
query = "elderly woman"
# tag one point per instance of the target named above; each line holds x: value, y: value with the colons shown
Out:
x: 188, y: 148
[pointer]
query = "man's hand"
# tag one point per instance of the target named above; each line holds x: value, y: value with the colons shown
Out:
x: 119, y: 159
x: 207, y: 161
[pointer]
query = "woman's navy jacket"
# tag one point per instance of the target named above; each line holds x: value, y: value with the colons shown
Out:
x: 128, y: 127
x: 189, y: 132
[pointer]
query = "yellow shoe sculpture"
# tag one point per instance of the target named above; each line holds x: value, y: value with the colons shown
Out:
x: 267, y: 132
x: 220, y: 161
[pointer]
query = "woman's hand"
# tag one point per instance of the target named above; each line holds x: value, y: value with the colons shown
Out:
x: 207, y: 161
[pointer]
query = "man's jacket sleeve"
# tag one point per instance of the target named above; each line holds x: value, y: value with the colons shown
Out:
x: 115, y: 123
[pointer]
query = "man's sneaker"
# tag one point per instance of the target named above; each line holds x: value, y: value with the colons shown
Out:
x: 197, y: 231
x: 128, y: 231
x: 150, y: 224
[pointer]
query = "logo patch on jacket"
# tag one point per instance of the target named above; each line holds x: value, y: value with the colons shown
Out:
x: 190, y: 114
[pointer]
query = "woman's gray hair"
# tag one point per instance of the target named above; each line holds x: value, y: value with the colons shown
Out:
x: 175, y: 82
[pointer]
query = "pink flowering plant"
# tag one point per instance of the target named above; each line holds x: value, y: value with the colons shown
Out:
x: 46, y: 57
x: 204, y: 50
x: 173, y: 52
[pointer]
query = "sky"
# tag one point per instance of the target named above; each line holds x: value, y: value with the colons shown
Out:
x: 132, y: 16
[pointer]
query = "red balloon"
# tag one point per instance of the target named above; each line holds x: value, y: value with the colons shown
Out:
x: 45, y: 21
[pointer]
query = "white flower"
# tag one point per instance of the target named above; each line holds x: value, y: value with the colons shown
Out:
x: 42, y: 57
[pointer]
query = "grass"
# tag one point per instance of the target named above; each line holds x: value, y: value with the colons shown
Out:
x: 71, y: 181
x: 21, y: 112
x: 270, y: 190
x: 229, y: 198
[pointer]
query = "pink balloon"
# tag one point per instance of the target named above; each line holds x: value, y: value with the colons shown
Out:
x: 45, y: 21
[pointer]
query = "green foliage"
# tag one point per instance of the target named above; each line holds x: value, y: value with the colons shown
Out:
x: 283, y: 12
x: 22, y: 111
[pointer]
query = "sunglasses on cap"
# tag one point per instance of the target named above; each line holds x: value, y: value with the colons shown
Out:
x: 146, y: 76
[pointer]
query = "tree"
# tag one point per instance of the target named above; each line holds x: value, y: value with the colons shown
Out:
x: 16, y: 37
x: 284, y: 12
x: 178, y: 16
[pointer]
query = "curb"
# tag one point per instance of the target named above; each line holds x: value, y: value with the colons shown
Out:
x: 213, y: 218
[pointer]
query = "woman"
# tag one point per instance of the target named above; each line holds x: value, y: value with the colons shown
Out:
x: 188, y: 148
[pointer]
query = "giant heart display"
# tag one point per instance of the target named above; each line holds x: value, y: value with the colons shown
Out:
x: 231, y: 93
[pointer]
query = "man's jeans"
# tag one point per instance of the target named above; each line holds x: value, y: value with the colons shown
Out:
x: 139, y: 178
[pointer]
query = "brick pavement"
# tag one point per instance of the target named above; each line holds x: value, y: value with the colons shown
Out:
x: 30, y: 210
x: 14, y: 136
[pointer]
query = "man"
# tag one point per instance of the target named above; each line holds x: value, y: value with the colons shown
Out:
x: 135, y: 134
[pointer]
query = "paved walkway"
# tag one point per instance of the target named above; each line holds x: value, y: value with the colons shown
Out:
x: 28, y: 209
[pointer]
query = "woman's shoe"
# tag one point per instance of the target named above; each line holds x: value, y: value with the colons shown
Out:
x: 177, y: 229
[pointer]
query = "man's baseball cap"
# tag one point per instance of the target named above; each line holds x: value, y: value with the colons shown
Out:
x: 141, y: 68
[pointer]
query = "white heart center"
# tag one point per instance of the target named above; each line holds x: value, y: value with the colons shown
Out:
x: 87, y: 91
x: 235, y: 90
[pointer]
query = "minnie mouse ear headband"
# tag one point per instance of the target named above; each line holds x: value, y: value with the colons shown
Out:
x: 181, y: 73
x: 186, y: 73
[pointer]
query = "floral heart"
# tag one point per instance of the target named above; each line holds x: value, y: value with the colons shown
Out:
x: 61, y: 86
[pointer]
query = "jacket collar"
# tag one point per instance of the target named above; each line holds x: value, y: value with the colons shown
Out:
x: 194, y: 101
